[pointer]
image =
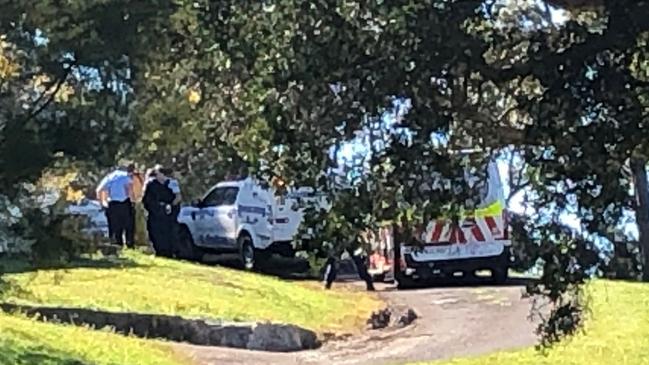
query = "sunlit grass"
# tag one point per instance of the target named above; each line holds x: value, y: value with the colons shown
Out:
x: 616, y: 332
x: 151, y: 285
x: 27, y: 342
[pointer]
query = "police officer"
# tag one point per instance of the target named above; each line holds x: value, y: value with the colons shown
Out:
x: 162, y: 201
x: 149, y: 177
x: 115, y: 192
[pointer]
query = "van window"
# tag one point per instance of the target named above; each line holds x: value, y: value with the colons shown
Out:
x: 221, y: 196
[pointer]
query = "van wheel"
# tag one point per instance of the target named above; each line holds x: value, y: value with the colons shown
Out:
x: 499, y: 275
x: 188, y: 250
x: 246, y: 252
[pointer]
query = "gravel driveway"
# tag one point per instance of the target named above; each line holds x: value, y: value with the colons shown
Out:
x: 453, y: 322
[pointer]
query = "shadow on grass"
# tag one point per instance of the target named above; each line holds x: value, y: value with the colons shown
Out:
x: 17, y: 264
x: 17, y: 354
x: 294, y: 268
x: 35, y: 356
x: 298, y: 269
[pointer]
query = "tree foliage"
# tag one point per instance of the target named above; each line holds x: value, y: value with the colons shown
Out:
x: 279, y: 86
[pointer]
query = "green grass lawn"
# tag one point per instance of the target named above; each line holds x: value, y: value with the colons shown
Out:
x: 142, y: 283
x: 616, y: 333
x: 27, y: 342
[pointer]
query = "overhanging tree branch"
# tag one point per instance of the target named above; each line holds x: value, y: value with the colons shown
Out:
x: 50, y: 93
x: 625, y: 18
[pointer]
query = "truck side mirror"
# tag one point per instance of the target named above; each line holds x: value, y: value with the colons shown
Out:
x: 196, y: 203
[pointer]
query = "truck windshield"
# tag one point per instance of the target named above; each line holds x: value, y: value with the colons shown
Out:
x: 221, y: 196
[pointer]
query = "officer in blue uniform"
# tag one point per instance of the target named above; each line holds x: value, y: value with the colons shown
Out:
x: 115, y: 191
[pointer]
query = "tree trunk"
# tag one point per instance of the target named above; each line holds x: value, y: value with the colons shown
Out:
x: 638, y: 166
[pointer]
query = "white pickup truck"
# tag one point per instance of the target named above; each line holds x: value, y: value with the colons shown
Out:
x: 243, y: 217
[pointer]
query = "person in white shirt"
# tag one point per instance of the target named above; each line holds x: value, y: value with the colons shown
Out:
x: 115, y: 192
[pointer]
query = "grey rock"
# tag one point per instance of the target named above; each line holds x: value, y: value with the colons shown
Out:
x: 380, y: 319
x: 281, y: 338
x: 266, y: 337
x: 391, y: 317
x: 407, y: 318
x: 235, y: 336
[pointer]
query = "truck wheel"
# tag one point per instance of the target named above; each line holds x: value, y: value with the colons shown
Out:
x: 499, y: 275
x: 246, y: 252
x: 188, y: 250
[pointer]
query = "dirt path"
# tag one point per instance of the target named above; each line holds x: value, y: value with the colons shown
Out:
x: 461, y: 321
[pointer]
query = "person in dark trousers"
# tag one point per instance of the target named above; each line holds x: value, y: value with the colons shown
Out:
x: 330, y: 271
x: 116, y: 192
x: 361, y: 267
x: 150, y: 176
x: 108, y: 220
x: 131, y: 222
x: 162, y: 203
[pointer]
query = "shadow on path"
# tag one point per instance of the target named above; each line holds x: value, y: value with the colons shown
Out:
x: 468, y: 283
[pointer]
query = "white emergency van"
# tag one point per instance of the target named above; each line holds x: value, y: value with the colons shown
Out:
x: 478, y: 241
x: 243, y: 217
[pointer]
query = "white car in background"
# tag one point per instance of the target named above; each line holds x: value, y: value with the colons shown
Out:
x: 98, y: 223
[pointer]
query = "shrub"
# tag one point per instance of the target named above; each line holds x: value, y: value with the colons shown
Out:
x: 36, y: 222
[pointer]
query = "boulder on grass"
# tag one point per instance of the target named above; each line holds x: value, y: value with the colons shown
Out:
x: 281, y: 338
